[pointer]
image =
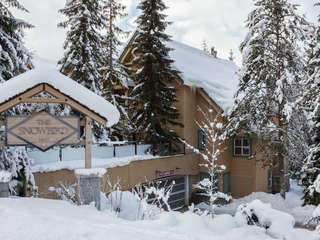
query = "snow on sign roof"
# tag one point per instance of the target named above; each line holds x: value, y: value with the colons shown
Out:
x: 217, y: 77
x: 46, y: 72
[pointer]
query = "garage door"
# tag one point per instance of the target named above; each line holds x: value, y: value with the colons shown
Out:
x: 179, y: 192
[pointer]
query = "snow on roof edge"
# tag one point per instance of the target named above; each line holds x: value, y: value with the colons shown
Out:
x: 220, y: 86
x: 40, y: 75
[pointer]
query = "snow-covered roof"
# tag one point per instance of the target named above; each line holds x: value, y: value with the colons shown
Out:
x: 45, y: 72
x: 217, y: 77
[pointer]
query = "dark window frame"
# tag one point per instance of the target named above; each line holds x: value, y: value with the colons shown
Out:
x: 242, y: 147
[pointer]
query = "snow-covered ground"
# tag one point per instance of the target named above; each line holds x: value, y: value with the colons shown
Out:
x: 291, y: 205
x: 32, y: 218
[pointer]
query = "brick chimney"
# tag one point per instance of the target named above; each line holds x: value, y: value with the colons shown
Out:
x: 214, y: 53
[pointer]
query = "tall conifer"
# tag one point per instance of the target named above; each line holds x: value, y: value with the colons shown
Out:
x: 311, y: 167
x: 14, y: 57
x: 84, y: 54
x: 154, y: 95
x: 115, y: 74
x: 269, y: 79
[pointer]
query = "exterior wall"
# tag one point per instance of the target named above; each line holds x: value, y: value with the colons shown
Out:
x: 130, y: 175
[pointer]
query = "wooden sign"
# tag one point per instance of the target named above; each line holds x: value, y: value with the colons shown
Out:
x: 42, y: 130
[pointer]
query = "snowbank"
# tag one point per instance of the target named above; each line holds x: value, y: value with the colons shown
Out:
x: 32, y: 218
x: 291, y: 205
x: 44, y: 72
x: 277, y: 224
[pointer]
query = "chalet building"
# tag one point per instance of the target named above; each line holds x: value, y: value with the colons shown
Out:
x: 208, y: 82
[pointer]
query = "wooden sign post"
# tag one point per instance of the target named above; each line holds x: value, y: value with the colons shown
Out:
x: 88, y: 141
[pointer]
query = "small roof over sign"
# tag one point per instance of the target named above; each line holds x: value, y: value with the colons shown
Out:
x: 46, y: 73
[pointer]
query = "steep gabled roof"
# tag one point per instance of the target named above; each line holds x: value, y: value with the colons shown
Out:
x: 216, y: 77
x: 45, y: 73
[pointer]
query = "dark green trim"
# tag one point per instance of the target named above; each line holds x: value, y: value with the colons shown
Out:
x: 226, y: 188
x: 270, y: 178
x: 202, y: 140
x: 242, y: 155
x: 214, y: 103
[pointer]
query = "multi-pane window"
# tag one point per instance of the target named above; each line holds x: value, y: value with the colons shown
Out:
x: 241, y: 147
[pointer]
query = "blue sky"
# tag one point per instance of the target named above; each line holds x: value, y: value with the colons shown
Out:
x: 219, y: 22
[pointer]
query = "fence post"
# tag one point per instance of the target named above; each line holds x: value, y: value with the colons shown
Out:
x: 114, y: 150
x: 60, y: 154
x: 135, y: 148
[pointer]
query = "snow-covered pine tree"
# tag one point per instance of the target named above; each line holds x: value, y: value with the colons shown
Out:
x: 269, y: 77
x: 311, y: 100
x: 311, y: 168
x: 115, y: 74
x: 153, y: 97
x: 299, y: 139
x: 14, y: 57
x: 13, y: 53
x: 84, y: 53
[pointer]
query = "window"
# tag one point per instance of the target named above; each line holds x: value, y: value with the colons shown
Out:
x: 201, y: 140
x: 241, y: 147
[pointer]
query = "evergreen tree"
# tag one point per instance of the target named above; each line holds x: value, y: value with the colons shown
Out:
x: 153, y: 96
x: 269, y: 79
x: 84, y: 53
x: 311, y: 100
x: 13, y: 61
x: 13, y: 54
x: 115, y: 74
x: 311, y: 168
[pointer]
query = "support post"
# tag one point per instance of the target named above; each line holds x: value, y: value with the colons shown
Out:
x: 88, y: 142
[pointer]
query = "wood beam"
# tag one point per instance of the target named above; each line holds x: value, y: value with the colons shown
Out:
x: 75, y: 105
x: 17, y: 100
x: 88, y: 142
x: 42, y: 100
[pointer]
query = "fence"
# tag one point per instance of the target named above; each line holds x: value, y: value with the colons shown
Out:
x: 59, y: 154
